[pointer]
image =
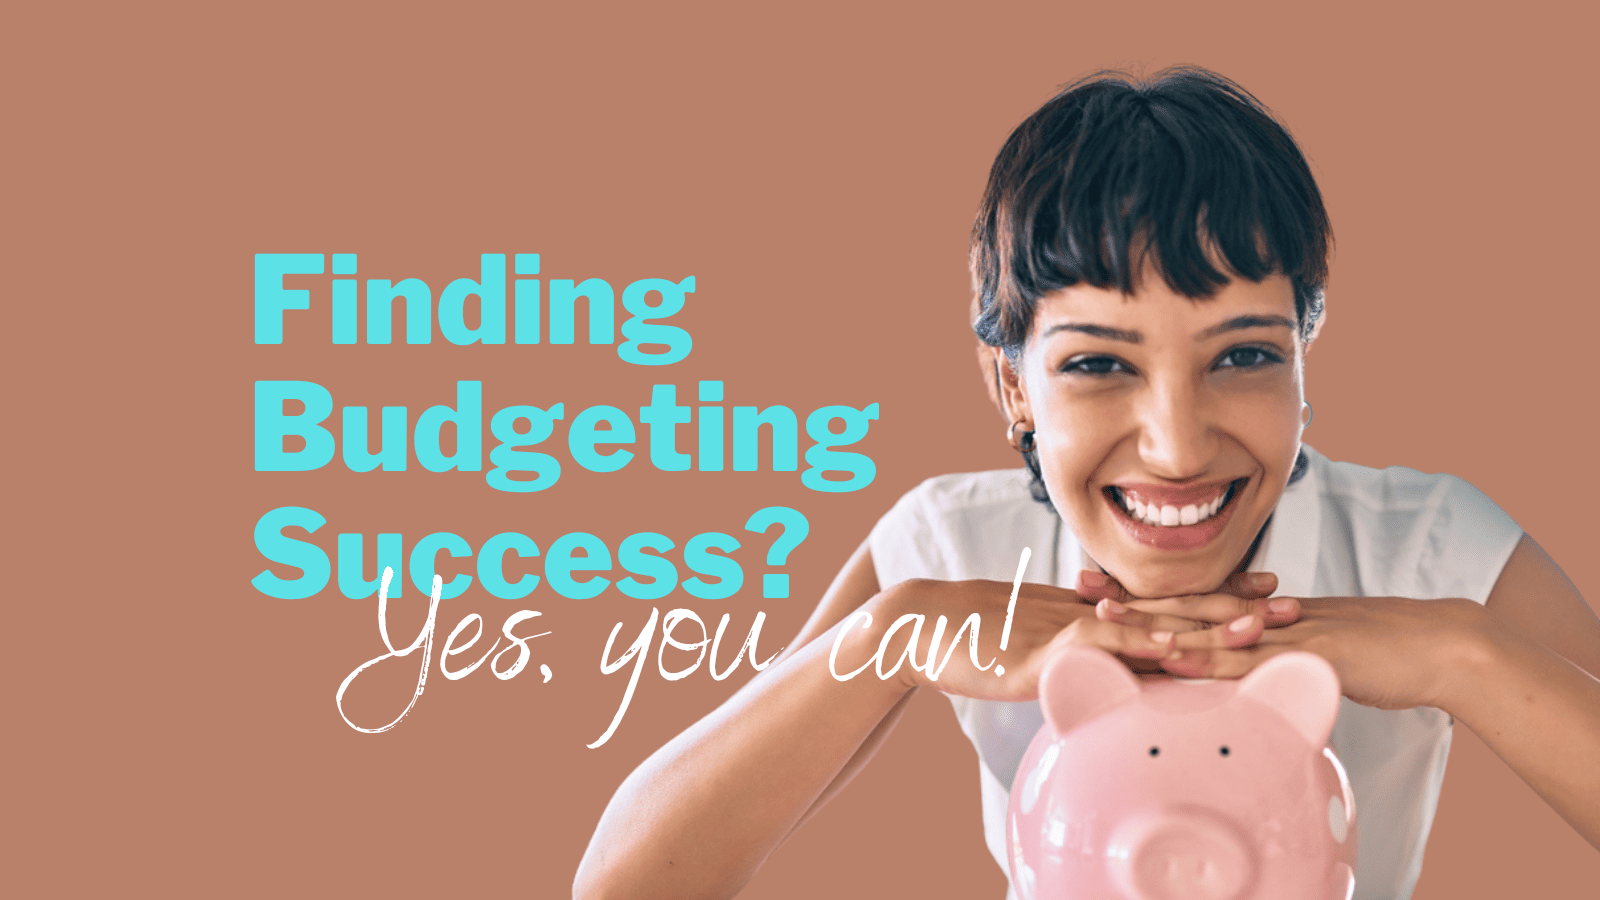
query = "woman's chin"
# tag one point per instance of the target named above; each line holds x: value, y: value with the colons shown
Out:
x: 1179, y: 582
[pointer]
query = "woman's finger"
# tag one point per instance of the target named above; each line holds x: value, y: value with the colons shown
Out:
x: 1219, y: 663
x: 1250, y: 585
x: 1218, y: 609
x: 1289, y: 635
x: 1279, y: 611
x: 1112, y: 611
x: 1241, y: 632
x: 1094, y: 586
x: 1122, y: 640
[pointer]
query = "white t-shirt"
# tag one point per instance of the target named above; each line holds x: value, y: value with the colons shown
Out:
x: 1342, y: 530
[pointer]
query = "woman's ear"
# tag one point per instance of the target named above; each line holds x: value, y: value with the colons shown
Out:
x: 1012, y: 396
x: 991, y: 375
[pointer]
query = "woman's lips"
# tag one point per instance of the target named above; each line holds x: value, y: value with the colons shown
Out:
x: 1177, y: 537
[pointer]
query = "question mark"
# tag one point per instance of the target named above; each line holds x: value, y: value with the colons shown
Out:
x: 795, y: 529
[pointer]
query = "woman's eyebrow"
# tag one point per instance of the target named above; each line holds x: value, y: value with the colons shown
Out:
x: 1241, y: 322
x: 1101, y: 331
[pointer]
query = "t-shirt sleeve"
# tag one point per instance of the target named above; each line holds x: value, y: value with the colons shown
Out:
x: 905, y: 544
x: 1467, y: 545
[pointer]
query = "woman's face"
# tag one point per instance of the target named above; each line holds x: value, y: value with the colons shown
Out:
x: 1166, y: 427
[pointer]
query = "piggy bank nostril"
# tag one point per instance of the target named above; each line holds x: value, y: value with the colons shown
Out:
x: 1185, y: 856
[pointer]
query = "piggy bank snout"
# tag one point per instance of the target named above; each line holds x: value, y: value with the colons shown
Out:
x: 1182, y: 854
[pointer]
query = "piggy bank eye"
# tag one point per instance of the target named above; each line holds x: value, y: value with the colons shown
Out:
x: 1155, y: 751
x: 1224, y: 750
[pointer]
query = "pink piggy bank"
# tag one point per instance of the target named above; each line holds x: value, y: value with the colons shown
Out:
x: 1167, y: 789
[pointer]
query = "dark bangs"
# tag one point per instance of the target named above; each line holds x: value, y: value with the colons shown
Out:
x: 1187, y: 169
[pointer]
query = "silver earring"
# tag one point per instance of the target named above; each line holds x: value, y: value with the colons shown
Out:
x: 1311, y: 414
x: 1023, y: 444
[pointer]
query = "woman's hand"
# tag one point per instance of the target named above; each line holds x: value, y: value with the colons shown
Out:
x: 1045, y: 618
x: 1243, y: 594
x: 1241, y: 604
x: 1389, y: 652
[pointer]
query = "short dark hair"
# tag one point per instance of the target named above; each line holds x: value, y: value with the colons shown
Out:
x: 1186, y: 168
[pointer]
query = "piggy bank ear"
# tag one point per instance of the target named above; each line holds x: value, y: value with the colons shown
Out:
x: 1302, y: 687
x: 1080, y: 683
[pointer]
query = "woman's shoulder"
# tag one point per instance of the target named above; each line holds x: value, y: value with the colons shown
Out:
x: 1394, y: 490
x: 965, y: 490
x: 966, y: 502
x: 1433, y: 533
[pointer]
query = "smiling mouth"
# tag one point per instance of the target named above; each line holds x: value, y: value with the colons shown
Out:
x: 1153, y: 513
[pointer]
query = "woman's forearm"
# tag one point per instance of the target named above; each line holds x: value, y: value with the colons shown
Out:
x: 1539, y: 713
x: 702, y: 813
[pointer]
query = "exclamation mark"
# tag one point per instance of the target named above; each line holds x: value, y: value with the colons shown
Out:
x: 1011, y: 608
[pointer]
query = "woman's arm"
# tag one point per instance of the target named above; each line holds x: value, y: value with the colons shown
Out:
x: 1529, y: 691
x: 702, y: 813
x: 1536, y: 597
x: 705, y: 811
x: 1519, y: 671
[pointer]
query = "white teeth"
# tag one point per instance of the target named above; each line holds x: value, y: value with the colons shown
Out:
x: 1170, y: 516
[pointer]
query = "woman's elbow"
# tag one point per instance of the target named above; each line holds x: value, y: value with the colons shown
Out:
x: 595, y: 880
x: 604, y: 875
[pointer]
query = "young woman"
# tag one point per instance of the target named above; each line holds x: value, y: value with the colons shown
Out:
x: 1149, y: 261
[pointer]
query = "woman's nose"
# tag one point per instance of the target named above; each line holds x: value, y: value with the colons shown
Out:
x: 1177, y: 439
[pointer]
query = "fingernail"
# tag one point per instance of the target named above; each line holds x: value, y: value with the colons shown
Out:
x: 1260, y: 578
x: 1113, y: 607
x: 1281, y: 605
x: 1091, y: 578
x: 1242, y: 623
x: 1161, y: 637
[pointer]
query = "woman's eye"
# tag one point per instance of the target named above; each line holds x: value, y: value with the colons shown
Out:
x: 1248, y: 358
x: 1094, y: 365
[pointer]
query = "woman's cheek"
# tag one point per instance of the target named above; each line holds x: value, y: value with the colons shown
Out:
x: 1267, y: 423
x: 1071, y: 453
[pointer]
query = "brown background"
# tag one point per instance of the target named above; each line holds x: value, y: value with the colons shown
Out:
x: 172, y: 732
